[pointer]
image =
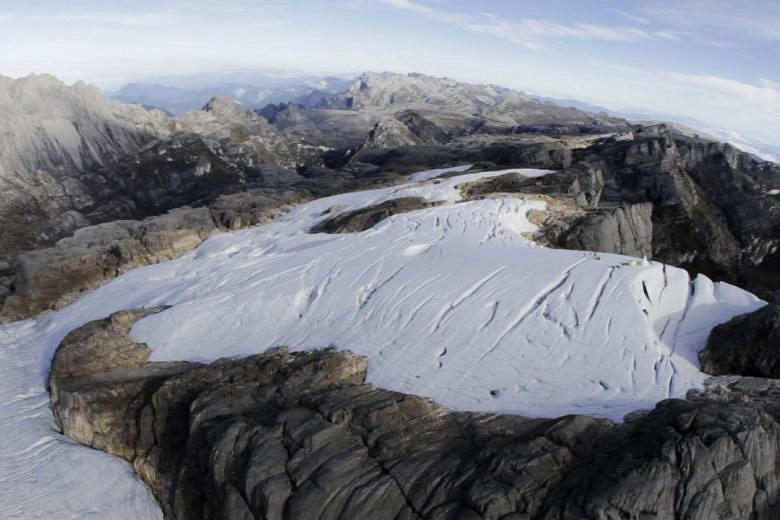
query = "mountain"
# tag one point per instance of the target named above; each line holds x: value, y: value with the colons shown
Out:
x: 760, y: 149
x: 309, y: 91
x: 491, y: 105
x: 116, y: 161
x: 453, y: 302
x: 445, y: 300
x: 53, y: 132
x: 75, y: 157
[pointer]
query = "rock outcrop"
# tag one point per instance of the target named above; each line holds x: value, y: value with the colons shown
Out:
x: 390, y: 133
x: 300, y: 435
x: 49, y: 278
x: 366, y: 218
x: 747, y: 345
x: 712, y: 208
x: 53, y: 132
x: 627, y: 230
x: 450, y: 104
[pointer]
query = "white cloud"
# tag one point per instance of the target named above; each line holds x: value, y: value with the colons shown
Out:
x: 764, y: 97
x: 410, y: 6
x: 534, y: 33
x: 631, y: 16
x: 756, y: 21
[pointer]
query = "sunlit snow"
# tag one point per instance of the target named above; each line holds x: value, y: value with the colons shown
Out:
x: 450, y: 302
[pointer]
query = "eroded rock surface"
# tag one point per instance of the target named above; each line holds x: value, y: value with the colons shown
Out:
x: 747, y: 345
x: 300, y: 435
x: 48, y: 278
x: 627, y: 230
x: 366, y: 218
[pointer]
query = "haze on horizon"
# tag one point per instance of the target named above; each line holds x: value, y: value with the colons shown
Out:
x: 710, y: 60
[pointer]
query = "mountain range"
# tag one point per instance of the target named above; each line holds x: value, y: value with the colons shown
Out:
x: 402, y: 297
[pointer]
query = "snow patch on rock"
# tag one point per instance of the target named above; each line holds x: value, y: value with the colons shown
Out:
x: 449, y: 302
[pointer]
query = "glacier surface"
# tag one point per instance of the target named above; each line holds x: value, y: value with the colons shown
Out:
x: 450, y: 302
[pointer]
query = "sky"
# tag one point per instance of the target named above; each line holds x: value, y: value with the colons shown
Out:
x: 715, y: 61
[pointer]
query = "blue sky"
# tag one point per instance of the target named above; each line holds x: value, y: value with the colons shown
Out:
x: 714, y: 60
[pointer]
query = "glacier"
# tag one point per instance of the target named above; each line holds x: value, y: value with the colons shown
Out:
x: 454, y: 302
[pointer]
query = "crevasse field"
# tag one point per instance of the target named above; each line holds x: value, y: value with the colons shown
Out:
x: 450, y: 302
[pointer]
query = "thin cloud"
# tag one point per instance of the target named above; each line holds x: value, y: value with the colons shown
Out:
x: 631, y: 16
x: 408, y: 5
x: 718, y: 15
x: 534, y: 33
x: 764, y: 97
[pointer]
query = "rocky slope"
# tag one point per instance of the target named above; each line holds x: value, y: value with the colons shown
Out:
x: 485, y: 105
x: 51, y: 132
x: 429, y: 110
x: 300, y: 435
x: 80, y: 160
x: 714, y: 208
x: 748, y: 344
x: 71, y: 157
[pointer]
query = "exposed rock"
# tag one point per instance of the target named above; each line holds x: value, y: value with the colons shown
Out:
x: 748, y: 345
x: 250, y: 208
x: 453, y: 105
x: 366, y: 218
x: 49, y: 278
x: 492, y: 150
x: 423, y: 128
x: 300, y: 435
x: 46, y: 277
x: 390, y: 133
x: 711, y: 208
x: 627, y: 230
x: 55, y: 131
x: 685, y: 459
x: 582, y: 186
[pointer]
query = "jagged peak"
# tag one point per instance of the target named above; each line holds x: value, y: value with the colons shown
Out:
x: 223, y: 105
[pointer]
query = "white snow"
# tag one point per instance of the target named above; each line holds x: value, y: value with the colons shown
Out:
x: 450, y: 302
x: 44, y: 475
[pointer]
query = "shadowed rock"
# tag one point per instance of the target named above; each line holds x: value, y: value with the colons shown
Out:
x: 52, y: 277
x: 300, y: 435
x: 747, y: 345
x: 366, y: 218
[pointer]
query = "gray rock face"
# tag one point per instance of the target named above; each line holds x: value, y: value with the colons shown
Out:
x: 48, y: 278
x: 582, y: 186
x: 300, y: 435
x: 390, y: 133
x: 94, y: 254
x: 493, y: 150
x: 748, y: 345
x: 450, y: 104
x: 366, y: 218
x: 712, y: 212
x: 626, y: 230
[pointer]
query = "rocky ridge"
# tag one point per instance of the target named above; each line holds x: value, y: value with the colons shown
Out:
x: 52, y: 277
x: 117, y: 162
x: 292, y: 435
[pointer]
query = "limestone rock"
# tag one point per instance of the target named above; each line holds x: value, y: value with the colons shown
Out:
x: 300, y: 435
x: 366, y: 218
x: 627, y: 230
x: 747, y: 345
